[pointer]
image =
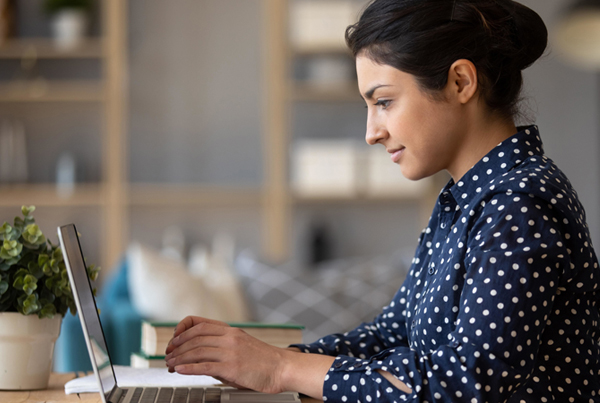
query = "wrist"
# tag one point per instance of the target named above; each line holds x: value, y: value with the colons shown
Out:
x: 288, y: 363
x: 303, y: 372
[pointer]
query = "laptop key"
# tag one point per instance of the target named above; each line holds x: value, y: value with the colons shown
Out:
x: 164, y: 396
x: 137, y: 393
x: 196, y: 395
x: 180, y: 396
x: 213, y: 395
x: 149, y: 395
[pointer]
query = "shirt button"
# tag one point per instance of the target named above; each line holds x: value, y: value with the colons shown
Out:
x: 454, y: 344
x: 414, y: 322
x: 431, y: 270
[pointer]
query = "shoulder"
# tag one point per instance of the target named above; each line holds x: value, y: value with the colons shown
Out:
x: 536, y: 179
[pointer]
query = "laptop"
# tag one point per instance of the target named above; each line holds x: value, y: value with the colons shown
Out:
x: 110, y: 391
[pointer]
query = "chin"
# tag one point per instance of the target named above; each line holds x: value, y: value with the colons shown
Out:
x: 415, y: 175
x: 412, y: 175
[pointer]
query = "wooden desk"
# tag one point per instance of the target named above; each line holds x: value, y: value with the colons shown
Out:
x: 56, y: 393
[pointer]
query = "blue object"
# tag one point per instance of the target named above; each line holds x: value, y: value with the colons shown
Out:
x: 120, y: 321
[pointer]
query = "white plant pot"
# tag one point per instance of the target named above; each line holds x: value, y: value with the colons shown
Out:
x: 69, y: 28
x: 26, y: 348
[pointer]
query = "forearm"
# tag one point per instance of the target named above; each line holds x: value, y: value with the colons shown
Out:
x: 305, y: 373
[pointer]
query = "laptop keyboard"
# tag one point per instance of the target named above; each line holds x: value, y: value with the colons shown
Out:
x: 200, y: 395
x: 175, y: 395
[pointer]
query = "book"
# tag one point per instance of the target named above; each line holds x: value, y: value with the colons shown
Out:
x: 156, y: 335
x: 141, y: 360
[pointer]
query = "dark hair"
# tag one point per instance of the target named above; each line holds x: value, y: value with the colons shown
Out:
x: 424, y: 38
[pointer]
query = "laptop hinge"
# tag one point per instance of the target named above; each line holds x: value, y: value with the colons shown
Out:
x: 115, y: 395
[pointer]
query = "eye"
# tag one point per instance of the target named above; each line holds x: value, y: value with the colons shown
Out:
x: 384, y: 103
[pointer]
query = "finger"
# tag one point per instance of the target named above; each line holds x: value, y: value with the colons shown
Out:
x: 198, y: 355
x: 214, y: 369
x: 196, y: 342
x: 203, y: 328
x: 186, y: 323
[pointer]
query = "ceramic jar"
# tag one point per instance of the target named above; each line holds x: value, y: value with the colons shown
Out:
x: 26, y: 349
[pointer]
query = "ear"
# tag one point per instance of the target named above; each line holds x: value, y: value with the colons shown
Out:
x: 462, y: 80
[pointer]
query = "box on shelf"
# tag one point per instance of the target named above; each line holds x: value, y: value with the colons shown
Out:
x: 321, y: 23
x: 345, y: 168
x: 324, y: 168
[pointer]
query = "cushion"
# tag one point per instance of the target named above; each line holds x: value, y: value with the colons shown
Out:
x: 161, y: 288
x: 333, y: 297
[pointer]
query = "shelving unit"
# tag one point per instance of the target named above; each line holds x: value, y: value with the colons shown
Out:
x: 116, y: 200
x: 108, y: 196
x: 285, y: 91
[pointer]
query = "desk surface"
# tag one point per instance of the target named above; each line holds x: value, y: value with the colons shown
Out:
x: 56, y: 393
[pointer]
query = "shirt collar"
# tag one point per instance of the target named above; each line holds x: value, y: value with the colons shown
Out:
x: 501, y: 159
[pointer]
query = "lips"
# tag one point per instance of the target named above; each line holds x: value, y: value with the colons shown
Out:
x: 396, y: 154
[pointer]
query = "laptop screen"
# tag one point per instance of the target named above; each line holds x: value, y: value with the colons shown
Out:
x: 86, y: 308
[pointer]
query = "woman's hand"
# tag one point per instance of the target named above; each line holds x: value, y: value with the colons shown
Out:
x: 208, y: 347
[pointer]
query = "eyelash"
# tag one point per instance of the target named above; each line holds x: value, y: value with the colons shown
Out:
x: 384, y: 103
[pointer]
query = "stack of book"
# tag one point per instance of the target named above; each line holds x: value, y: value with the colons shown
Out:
x: 156, y: 337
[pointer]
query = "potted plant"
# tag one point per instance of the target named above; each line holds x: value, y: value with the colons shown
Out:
x: 35, y: 294
x: 69, y: 21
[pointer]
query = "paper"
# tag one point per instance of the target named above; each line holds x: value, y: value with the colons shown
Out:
x: 128, y: 377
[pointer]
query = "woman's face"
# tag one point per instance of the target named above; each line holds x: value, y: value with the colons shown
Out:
x: 422, y: 135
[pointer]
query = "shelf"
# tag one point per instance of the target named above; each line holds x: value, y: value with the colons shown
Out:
x: 326, y: 93
x: 44, y: 48
x: 356, y: 199
x: 51, y: 91
x: 192, y: 195
x: 84, y: 195
x: 317, y: 50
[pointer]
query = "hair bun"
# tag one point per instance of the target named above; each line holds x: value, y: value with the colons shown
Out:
x: 531, y: 33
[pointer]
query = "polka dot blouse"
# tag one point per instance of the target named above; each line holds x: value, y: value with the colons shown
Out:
x: 501, y: 301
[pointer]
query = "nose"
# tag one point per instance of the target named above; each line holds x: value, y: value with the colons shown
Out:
x: 376, y: 131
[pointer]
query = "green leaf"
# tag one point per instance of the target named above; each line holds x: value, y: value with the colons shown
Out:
x: 29, y: 284
x: 93, y: 272
x: 18, y: 283
x: 57, y: 255
x: 19, y: 223
x: 34, y: 235
x: 30, y: 305
x: 42, y: 259
x: 48, y: 311
x: 35, y: 270
x: 3, y: 287
x: 5, y: 230
x: 27, y: 210
x: 47, y: 269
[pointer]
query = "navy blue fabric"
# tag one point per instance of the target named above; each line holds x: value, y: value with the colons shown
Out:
x: 501, y: 301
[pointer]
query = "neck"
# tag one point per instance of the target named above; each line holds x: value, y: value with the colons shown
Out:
x: 480, y: 137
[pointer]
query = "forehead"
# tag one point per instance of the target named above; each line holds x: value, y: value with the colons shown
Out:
x: 371, y: 74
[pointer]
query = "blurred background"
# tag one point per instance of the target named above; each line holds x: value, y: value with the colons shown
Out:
x: 186, y: 124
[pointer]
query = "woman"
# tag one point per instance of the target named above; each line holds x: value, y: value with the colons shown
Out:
x: 501, y: 302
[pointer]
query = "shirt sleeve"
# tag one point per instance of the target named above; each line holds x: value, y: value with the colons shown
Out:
x: 514, y: 263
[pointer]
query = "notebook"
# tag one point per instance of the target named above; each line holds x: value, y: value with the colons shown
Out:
x: 110, y: 391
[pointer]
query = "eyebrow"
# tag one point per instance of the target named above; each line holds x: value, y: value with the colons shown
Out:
x: 369, y: 94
